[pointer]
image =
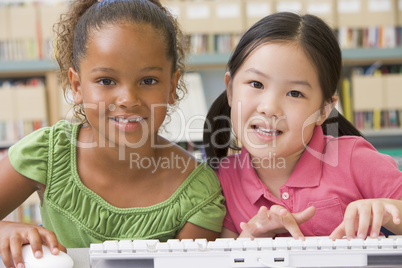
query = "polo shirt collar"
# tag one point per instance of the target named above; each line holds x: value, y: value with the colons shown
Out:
x: 253, y: 187
x: 308, y: 170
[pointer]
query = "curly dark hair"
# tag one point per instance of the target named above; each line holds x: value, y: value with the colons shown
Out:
x: 84, y: 16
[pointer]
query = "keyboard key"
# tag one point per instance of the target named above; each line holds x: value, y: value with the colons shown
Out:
x: 162, y: 247
x: 218, y: 245
x: 311, y: 244
x: 96, y: 249
x: 243, y: 239
x: 386, y: 243
x: 250, y: 245
x: 356, y: 243
x: 202, y: 244
x: 225, y: 240
x: 341, y: 244
x: 296, y: 244
x: 371, y: 243
x: 326, y: 244
x: 398, y: 243
x: 111, y: 246
x: 281, y: 244
x: 265, y: 243
x: 190, y: 246
x: 126, y: 246
x: 140, y: 246
x: 176, y: 245
x: 236, y: 245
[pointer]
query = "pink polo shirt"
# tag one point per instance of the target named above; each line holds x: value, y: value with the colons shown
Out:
x: 331, y: 173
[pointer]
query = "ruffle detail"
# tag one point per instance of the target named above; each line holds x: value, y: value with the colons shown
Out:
x: 198, y: 199
x: 29, y: 156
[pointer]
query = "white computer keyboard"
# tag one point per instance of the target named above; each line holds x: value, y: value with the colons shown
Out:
x: 260, y: 252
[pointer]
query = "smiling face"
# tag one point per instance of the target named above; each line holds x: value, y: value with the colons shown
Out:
x: 276, y: 101
x: 125, y: 83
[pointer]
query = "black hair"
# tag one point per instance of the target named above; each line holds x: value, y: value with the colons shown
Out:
x: 320, y: 44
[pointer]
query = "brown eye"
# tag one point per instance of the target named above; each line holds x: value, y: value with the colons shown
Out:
x: 256, y: 84
x: 295, y: 94
x: 148, y: 81
x: 106, y: 82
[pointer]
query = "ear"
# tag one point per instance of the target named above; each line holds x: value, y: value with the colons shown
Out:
x: 327, y: 109
x: 173, y: 86
x: 75, y: 85
x: 228, y: 83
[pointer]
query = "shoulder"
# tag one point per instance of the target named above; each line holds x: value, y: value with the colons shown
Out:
x: 202, y: 191
x: 38, y: 149
x: 361, y: 158
x: 203, y: 177
x: 63, y: 130
x: 43, y: 137
x: 354, y: 147
x: 230, y: 168
x: 347, y: 146
x: 376, y: 174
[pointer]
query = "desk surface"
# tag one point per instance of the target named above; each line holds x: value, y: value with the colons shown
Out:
x: 79, y: 255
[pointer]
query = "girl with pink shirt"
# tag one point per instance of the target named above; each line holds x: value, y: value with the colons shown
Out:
x: 302, y: 169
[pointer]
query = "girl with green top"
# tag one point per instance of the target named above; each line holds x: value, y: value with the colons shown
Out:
x: 112, y: 176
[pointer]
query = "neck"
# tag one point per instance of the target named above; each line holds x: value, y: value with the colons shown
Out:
x: 275, y: 171
x: 116, y: 158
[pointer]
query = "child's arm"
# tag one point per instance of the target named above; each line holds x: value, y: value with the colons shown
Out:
x: 15, y: 189
x: 227, y: 233
x: 192, y: 231
x: 277, y: 220
x: 362, y: 214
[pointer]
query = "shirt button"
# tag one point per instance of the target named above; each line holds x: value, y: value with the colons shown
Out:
x: 285, y: 195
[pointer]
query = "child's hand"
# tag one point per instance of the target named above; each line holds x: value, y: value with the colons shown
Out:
x: 268, y: 223
x: 362, y: 214
x: 13, y: 235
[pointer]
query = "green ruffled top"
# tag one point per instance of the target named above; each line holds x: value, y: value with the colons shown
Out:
x: 79, y: 216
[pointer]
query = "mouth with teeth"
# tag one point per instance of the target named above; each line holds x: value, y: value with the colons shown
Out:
x: 128, y: 124
x: 127, y: 120
x: 265, y: 131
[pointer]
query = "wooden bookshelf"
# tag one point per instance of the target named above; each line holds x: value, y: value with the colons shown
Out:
x: 384, y: 138
x: 5, y: 144
x: 208, y: 60
x: 360, y: 55
x: 350, y: 56
x: 44, y: 68
x: 369, y: 55
x: 27, y: 67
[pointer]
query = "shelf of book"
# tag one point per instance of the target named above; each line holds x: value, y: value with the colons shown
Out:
x: 6, y: 144
x: 208, y: 59
x: 357, y: 55
x: 211, y: 59
x: 27, y: 66
x: 382, y: 132
x: 372, y: 54
x: 384, y: 138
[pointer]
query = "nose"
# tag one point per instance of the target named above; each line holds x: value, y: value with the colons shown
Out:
x: 270, y: 104
x: 128, y: 97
